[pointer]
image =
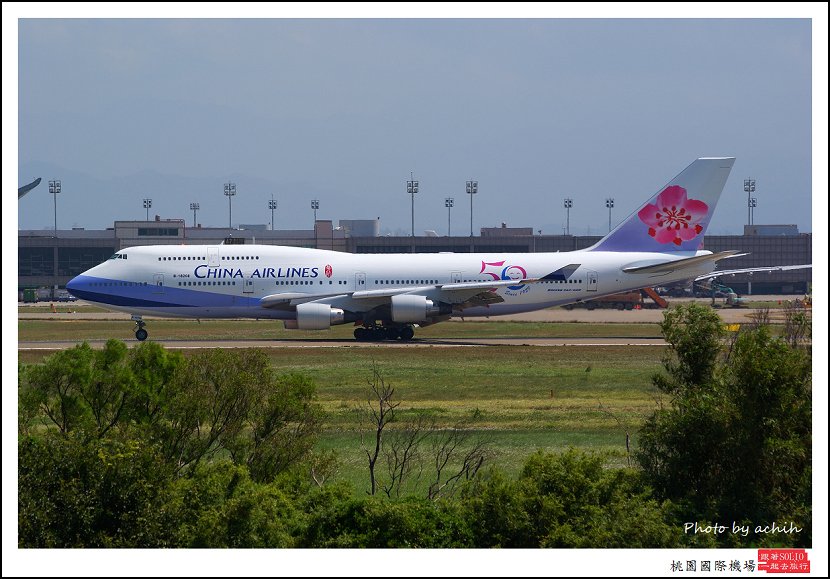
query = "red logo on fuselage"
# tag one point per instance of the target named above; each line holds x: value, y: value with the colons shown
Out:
x: 328, y: 271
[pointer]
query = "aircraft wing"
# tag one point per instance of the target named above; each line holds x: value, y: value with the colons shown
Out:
x: 751, y: 270
x: 21, y: 191
x: 460, y: 294
x: 283, y: 300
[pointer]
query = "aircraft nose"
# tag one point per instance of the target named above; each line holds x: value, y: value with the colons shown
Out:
x: 73, y: 285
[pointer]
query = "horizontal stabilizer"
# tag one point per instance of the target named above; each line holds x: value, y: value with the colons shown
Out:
x: 678, y: 264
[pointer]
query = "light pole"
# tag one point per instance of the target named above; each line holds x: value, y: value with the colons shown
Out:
x: 315, y: 205
x: 230, y: 191
x: 749, y: 188
x: 610, y: 204
x: 753, y: 203
x: 272, y: 204
x: 194, y: 207
x: 448, y: 203
x: 568, y: 204
x: 472, y: 189
x: 54, y: 189
x: 147, y: 204
x: 412, y: 188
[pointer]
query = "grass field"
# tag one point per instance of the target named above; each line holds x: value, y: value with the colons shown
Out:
x: 522, y: 398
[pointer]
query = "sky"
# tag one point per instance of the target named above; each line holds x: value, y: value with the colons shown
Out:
x: 536, y: 104
x: 345, y: 110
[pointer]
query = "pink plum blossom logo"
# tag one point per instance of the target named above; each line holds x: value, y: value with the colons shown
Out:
x: 674, y: 218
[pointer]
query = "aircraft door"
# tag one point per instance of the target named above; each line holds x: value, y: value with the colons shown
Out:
x: 213, y: 256
x: 455, y: 276
x: 359, y: 281
x: 591, y: 281
x: 248, y: 286
x: 158, y: 283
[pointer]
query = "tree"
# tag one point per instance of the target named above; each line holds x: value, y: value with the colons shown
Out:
x: 379, y: 417
x: 283, y: 426
x: 133, y: 433
x: 110, y: 386
x: 233, y: 401
x: 458, y: 456
x: 55, y: 387
x: 153, y: 368
x: 735, y: 445
x: 402, y: 451
x: 97, y: 390
x: 695, y: 337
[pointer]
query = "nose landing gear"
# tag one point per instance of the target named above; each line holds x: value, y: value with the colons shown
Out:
x: 140, y: 333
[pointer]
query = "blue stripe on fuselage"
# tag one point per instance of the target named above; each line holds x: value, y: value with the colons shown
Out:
x: 138, y: 295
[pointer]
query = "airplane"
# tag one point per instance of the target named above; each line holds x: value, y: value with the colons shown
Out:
x: 386, y: 295
x: 21, y: 191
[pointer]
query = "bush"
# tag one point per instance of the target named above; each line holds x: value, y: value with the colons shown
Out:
x: 76, y: 492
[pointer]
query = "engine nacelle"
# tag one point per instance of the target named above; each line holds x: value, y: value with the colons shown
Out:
x: 318, y: 316
x: 408, y: 308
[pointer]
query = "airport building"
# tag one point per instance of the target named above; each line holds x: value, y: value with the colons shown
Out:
x: 49, y: 259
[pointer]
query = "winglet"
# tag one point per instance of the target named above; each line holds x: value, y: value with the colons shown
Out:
x: 676, y: 217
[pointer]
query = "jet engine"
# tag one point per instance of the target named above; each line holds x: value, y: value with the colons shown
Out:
x: 409, y: 309
x: 318, y: 316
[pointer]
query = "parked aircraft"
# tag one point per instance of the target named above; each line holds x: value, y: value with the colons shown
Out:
x: 387, y: 295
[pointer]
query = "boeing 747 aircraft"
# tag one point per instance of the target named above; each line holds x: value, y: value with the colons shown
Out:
x: 386, y: 296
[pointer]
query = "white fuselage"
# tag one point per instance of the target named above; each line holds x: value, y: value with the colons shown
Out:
x: 229, y: 281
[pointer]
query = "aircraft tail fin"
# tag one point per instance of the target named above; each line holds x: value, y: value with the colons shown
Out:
x: 676, y: 217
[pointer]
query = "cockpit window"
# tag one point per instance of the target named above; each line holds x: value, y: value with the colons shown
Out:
x: 119, y: 256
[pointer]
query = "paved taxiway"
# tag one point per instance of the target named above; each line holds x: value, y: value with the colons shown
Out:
x: 553, y: 315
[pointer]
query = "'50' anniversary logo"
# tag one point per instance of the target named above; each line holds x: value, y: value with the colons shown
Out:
x: 499, y: 271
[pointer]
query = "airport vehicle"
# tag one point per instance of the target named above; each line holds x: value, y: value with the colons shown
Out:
x: 29, y: 296
x: 631, y: 300
x: 715, y: 289
x: 64, y: 296
x: 386, y: 296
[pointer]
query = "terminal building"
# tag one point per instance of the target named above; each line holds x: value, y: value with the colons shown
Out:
x: 49, y: 259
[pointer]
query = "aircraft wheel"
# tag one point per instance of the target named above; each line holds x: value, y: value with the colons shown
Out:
x: 141, y: 334
x: 393, y: 333
x: 361, y: 334
x: 407, y: 333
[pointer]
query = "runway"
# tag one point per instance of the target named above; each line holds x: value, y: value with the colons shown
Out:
x: 68, y: 312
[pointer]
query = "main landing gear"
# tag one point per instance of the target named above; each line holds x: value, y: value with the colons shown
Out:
x: 381, y: 333
x: 140, y: 333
